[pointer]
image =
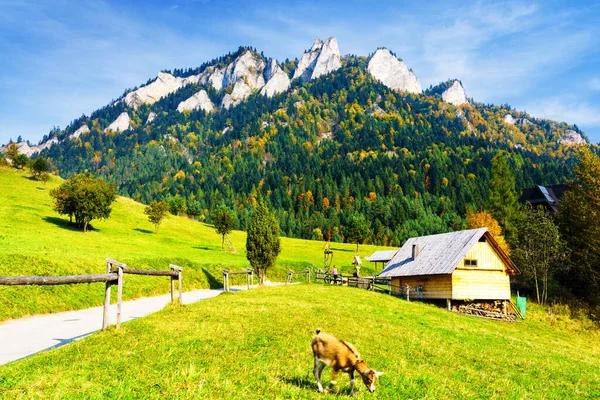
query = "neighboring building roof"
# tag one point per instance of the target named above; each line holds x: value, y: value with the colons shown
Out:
x: 439, y: 254
x: 548, y: 196
x: 382, y: 255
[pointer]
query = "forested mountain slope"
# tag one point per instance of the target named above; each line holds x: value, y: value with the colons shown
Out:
x: 332, y: 142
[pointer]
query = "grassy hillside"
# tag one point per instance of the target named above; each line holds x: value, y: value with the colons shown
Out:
x: 255, y: 345
x: 35, y: 240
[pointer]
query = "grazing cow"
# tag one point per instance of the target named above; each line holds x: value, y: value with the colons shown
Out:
x: 340, y: 356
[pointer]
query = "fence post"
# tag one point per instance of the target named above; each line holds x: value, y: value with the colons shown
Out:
x: 172, y: 289
x: 407, y: 292
x: 106, y: 300
x: 248, y: 273
x: 180, y: 279
x: 373, y: 285
x: 119, y: 296
x: 307, y: 275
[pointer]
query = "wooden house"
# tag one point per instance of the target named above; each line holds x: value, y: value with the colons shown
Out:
x: 547, y: 196
x: 463, y: 265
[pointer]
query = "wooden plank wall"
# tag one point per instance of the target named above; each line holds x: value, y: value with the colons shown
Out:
x: 488, y: 281
x: 480, y: 284
x: 434, y: 286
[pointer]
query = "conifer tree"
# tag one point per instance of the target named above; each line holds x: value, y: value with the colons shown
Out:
x: 503, y: 200
x: 579, y: 218
x: 262, y: 243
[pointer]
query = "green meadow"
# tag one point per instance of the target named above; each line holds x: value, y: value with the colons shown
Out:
x: 35, y: 240
x: 256, y: 345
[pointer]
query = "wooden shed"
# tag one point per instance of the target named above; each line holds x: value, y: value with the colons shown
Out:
x: 382, y: 256
x: 462, y: 265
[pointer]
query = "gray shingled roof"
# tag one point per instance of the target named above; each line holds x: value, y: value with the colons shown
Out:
x: 438, y: 254
x: 382, y: 255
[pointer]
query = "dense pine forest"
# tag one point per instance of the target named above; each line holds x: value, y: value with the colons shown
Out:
x: 319, y: 153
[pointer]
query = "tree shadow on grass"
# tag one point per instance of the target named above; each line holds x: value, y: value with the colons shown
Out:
x: 344, y: 250
x: 206, y: 247
x: 143, y: 230
x: 65, y: 224
x: 213, y: 283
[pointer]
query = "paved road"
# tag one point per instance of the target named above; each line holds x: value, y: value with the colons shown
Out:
x: 24, y: 337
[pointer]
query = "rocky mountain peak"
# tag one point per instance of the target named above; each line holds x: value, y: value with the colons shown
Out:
x: 321, y: 59
x: 455, y: 94
x: 317, y: 44
x: 277, y: 80
x: 392, y: 72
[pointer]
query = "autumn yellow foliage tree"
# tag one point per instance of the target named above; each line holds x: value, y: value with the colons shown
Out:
x: 483, y: 219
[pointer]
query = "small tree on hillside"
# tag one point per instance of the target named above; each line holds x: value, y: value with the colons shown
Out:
x: 262, y: 243
x: 156, y: 212
x: 356, y: 229
x: 177, y: 205
x: 194, y: 209
x: 12, y: 151
x: 84, y: 197
x: 39, y: 166
x: 223, y: 220
x: 540, y: 252
x: 20, y: 161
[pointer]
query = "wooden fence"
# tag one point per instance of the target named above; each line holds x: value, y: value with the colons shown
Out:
x: 114, y: 275
x: 372, y: 283
x: 226, y: 273
x: 290, y: 275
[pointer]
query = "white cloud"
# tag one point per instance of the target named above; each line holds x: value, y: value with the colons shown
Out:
x: 594, y: 83
x: 567, y: 109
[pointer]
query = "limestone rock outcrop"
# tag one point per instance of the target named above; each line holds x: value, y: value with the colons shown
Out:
x: 151, y: 117
x: 28, y: 150
x: 509, y: 119
x: 199, y: 100
x: 571, y: 138
x: 455, y: 94
x: 392, y: 72
x: 245, y: 74
x: 121, y: 124
x: 323, y: 58
x: 164, y: 84
x: 82, y: 130
x: 277, y: 80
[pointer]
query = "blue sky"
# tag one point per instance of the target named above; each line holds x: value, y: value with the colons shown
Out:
x: 60, y: 59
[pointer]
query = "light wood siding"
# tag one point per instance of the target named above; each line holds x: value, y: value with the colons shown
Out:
x: 486, y: 257
x: 488, y: 281
x: 480, y: 284
x: 434, y: 286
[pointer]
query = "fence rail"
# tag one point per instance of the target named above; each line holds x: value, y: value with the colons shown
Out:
x: 290, y: 275
x: 372, y: 283
x: 57, y: 280
x: 114, y: 275
x: 249, y: 272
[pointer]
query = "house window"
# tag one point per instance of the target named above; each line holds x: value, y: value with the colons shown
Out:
x: 471, y: 263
